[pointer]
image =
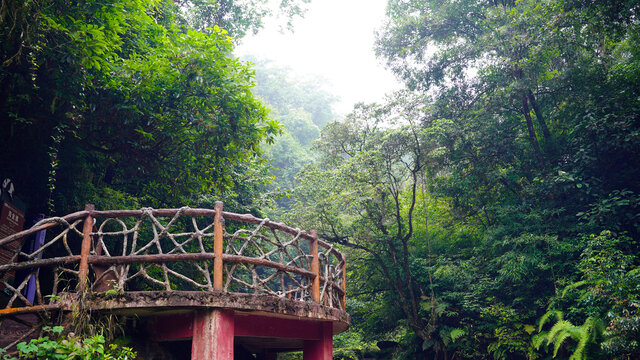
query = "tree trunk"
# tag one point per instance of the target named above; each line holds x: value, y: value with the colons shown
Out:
x: 532, y: 134
x: 539, y: 116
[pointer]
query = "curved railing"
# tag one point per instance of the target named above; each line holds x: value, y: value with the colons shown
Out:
x: 173, y: 250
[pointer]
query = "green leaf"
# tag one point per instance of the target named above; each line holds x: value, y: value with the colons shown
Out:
x: 456, y: 333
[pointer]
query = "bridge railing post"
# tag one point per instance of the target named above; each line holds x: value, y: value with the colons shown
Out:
x: 218, y: 239
x: 85, y: 249
x: 315, y: 267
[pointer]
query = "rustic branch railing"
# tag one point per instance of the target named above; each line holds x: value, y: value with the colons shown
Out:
x: 175, y: 250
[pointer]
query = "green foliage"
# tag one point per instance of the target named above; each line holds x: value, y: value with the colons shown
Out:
x: 70, y: 347
x: 241, y: 17
x: 511, y: 337
x: 607, y: 295
x: 351, y: 345
x: 126, y: 106
x: 285, y: 91
x: 501, y: 188
x: 587, y: 336
x: 302, y: 106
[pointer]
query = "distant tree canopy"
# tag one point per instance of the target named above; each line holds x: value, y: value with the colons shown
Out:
x: 492, y: 210
x: 124, y: 104
x: 283, y: 90
x: 303, y: 107
x: 240, y: 17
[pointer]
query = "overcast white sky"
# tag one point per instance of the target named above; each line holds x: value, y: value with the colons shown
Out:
x: 334, y: 40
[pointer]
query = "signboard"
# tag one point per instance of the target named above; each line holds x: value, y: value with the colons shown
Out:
x: 11, y: 222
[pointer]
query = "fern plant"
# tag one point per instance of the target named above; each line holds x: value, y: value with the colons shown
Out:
x: 589, y: 333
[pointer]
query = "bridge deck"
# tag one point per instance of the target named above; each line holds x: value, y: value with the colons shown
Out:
x: 156, y: 263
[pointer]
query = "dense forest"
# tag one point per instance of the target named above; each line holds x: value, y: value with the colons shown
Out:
x: 489, y: 210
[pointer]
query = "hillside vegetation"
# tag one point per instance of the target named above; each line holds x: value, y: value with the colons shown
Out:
x: 489, y: 210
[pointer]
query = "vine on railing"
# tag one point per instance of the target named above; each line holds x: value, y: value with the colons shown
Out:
x: 176, y: 250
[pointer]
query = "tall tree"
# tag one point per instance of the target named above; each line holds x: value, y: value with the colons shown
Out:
x: 533, y: 126
x: 363, y: 195
x: 122, y: 103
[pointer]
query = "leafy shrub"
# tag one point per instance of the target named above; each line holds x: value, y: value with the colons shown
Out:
x: 70, y: 347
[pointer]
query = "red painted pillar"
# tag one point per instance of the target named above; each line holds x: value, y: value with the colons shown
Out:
x: 321, y: 349
x: 212, y: 335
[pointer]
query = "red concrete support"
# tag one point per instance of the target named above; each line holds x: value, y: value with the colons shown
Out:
x: 171, y: 327
x: 321, y: 349
x: 212, y: 335
x: 261, y: 326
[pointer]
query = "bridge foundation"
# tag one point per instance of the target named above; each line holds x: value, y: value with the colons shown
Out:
x: 212, y: 335
x: 215, y: 334
x: 322, y: 348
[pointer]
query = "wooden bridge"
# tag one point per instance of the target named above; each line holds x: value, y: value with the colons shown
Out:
x: 213, y: 282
